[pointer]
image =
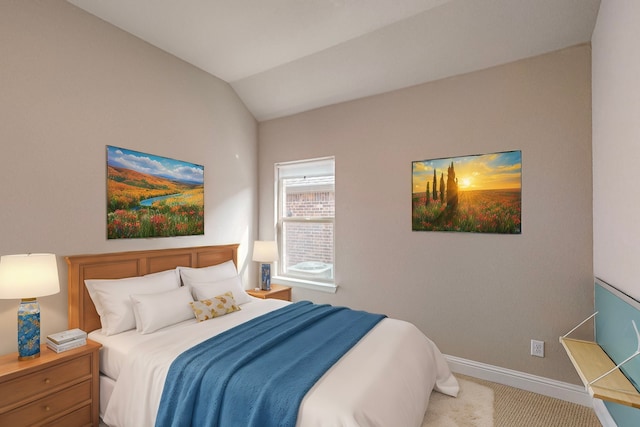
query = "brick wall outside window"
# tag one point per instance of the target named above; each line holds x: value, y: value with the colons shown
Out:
x: 309, y: 241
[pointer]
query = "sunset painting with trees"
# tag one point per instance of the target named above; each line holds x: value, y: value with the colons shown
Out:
x: 478, y: 193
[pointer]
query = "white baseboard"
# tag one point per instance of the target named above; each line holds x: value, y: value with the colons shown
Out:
x: 541, y: 385
x: 603, y: 414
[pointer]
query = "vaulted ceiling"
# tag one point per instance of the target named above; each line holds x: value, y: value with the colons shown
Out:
x: 287, y: 56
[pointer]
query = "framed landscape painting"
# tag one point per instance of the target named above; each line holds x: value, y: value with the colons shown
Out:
x: 478, y: 193
x: 152, y: 196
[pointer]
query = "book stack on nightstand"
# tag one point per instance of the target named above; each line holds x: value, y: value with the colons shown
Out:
x: 66, y: 340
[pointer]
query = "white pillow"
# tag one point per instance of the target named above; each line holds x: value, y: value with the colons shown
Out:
x: 113, y: 302
x: 208, y: 290
x: 156, y: 311
x: 91, y: 288
x: 213, y: 273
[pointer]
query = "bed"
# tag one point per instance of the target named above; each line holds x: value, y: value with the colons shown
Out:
x: 385, y: 379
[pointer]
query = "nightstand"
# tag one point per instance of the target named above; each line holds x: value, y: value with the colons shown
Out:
x: 56, y: 389
x: 276, y: 292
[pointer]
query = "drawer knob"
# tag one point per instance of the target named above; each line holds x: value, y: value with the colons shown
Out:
x: 47, y: 380
x: 47, y: 408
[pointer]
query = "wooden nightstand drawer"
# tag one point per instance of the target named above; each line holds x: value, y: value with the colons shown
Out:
x: 49, y: 407
x: 44, y: 381
x: 78, y: 418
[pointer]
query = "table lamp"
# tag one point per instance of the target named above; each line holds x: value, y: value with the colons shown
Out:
x: 26, y: 277
x: 265, y: 252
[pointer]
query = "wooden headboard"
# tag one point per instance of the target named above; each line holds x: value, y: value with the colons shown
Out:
x: 82, y: 312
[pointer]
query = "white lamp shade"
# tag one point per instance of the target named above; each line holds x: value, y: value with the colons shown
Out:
x: 265, y: 251
x: 28, y: 276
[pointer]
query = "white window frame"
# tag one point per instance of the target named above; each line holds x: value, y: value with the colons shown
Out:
x: 303, y: 168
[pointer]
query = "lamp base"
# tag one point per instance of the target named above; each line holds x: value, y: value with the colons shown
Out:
x: 265, y: 274
x: 28, y: 329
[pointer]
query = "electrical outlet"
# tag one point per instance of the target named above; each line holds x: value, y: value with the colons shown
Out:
x: 537, y: 348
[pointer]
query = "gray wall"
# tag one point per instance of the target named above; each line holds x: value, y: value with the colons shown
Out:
x: 72, y: 84
x: 616, y: 145
x: 480, y: 297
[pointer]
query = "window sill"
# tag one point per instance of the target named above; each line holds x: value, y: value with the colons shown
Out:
x: 307, y: 284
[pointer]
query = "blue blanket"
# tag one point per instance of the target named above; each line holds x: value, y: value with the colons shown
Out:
x: 257, y: 373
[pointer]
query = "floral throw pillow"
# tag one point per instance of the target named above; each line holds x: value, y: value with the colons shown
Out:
x: 214, y: 307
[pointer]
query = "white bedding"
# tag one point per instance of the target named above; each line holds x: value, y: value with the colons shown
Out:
x: 115, y: 348
x: 385, y: 380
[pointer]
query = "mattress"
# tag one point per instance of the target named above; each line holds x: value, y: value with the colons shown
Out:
x: 385, y: 379
x: 115, y: 348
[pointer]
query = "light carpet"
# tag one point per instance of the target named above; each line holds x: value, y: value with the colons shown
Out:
x: 472, y: 408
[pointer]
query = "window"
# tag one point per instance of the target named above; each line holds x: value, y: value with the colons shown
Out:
x: 305, y: 209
